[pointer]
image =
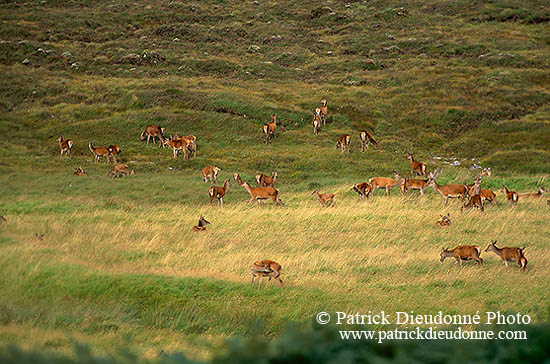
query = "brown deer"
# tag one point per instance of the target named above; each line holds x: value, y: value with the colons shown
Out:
x: 201, y: 226
x: 316, y: 121
x: 180, y: 145
x: 541, y: 191
x: 262, y: 193
x: 118, y: 171
x: 413, y: 184
x: 237, y: 179
x: 446, y: 191
x: 385, y: 182
x: 269, y: 128
x: 344, y: 142
x: 510, y: 195
x: 419, y: 168
x: 211, y: 173
x: 474, y: 201
x: 324, y: 111
x: 366, y: 138
x: 445, y: 221
x: 325, y: 199
x: 79, y: 172
x: 265, y: 268
x: 218, y: 192
x: 487, y: 195
x: 265, y: 181
x: 115, y: 152
x: 153, y: 131
x: 508, y: 254
x: 460, y: 253
x: 100, y: 152
x: 363, y: 189
x: 65, y: 146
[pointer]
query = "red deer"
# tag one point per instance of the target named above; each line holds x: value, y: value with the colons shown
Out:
x: 366, y: 138
x: 100, y: 152
x: 210, y: 173
x: 265, y: 181
x: 180, y: 144
x: 201, y: 225
x: 508, y: 254
x: 419, y: 168
x: 447, y: 191
x: 460, y: 253
x: 153, y: 131
x: 118, y: 171
x: 79, y: 172
x: 269, y: 128
x: 65, y: 146
x: 413, y: 184
x: 325, y: 199
x: 385, y: 182
x: 363, y: 189
x: 266, y: 268
x: 262, y: 193
x: 537, y: 194
x: 324, y: 111
x: 474, y: 201
x: 316, y: 121
x: 237, y: 179
x: 115, y: 152
x: 219, y: 192
x: 510, y: 195
x: 445, y: 221
x: 485, y: 194
x: 344, y: 142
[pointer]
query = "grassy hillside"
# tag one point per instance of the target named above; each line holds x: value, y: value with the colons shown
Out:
x: 453, y: 81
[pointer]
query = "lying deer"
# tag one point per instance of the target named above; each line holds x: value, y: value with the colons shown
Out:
x: 460, y: 253
x: 201, y: 225
x: 100, y: 152
x: 265, y: 268
x: 363, y: 189
x: 265, y: 181
x: 210, y: 173
x: 316, y: 122
x: 262, y: 193
x: 366, y: 138
x: 65, y: 146
x: 508, y: 254
x: 344, y: 142
x: 153, y: 131
x: 541, y: 191
x: 79, y: 172
x: 325, y: 198
x: 446, y: 191
x: 445, y: 221
x: 118, y: 171
x: 269, y: 128
x: 510, y: 195
x: 324, y: 111
x: 419, y: 168
x: 219, y: 192
x: 385, y: 182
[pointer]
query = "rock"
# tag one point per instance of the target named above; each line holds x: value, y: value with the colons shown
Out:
x: 176, y: 39
x: 393, y: 48
x: 391, y: 37
x: 253, y: 48
x: 319, y: 12
x: 26, y: 61
x: 66, y: 54
x: 74, y: 65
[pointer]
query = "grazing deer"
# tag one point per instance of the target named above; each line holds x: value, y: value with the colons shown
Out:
x: 262, y: 193
x: 237, y: 179
x: 487, y: 195
x: 324, y: 111
x: 537, y: 194
x: 366, y: 138
x: 153, y: 131
x: 115, y: 152
x: 445, y: 221
x: 344, y: 142
x: 100, y: 152
x: 446, y: 191
x: 265, y: 268
x: 210, y: 173
x: 460, y: 253
x: 269, y: 128
x: 325, y: 199
x: 180, y: 145
x: 510, y: 195
x: 474, y: 201
x: 265, y: 181
x: 508, y: 254
x: 363, y: 189
x: 201, y: 225
x: 79, y: 172
x: 65, y: 146
x: 219, y: 192
x: 316, y: 121
x: 118, y: 171
x: 385, y: 182
x: 419, y: 168
x: 413, y: 184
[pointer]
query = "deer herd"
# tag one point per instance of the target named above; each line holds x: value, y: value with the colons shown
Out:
x: 265, y: 190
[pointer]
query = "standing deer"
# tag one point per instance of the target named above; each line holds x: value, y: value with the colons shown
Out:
x: 419, y: 168
x: 115, y: 152
x: 510, y: 195
x: 201, y: 226
x: 385, y: 182
x: 118, y: 170
x: 363, y: 189
x: 183, y: 144
x: 344, y: 142
x: 460, y: 253
x: 265, y: 181
x: 366, y: 138
x: 445, y: 221
x: 269, y: 128
x: 210, y: 173
x: 325, y: 199
x: 219, y: 192
x: 262, y: 193
x: 100, y: 152
x: 446, y: 191
x: 65, y: 146
x: 413, y: 184
x: 237, y: 179
x: 508, y: 254
x: 153, y: 131
x: 265, y: 268
x: 537, y: 194
x: 79, y: 172
x: 316, y: 121
x: 324, y: 111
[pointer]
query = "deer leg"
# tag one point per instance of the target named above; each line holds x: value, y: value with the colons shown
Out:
x: 506, y: 262
x: 221, y: 201
x: 252, y: 283
x: 148, y: 136
x: 259, y: 281
x: 387, y: 191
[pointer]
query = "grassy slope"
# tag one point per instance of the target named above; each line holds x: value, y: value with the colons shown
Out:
x: 117, y: 257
